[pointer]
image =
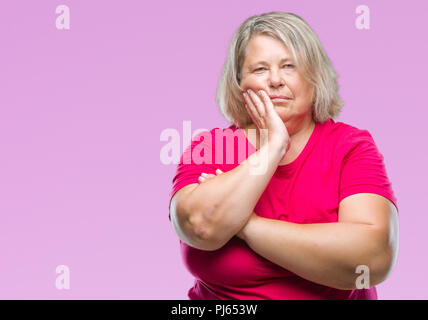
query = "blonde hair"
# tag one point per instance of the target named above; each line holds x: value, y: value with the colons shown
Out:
x: 306, y: 50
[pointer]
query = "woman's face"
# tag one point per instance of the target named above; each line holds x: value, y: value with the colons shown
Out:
x: 265, y: 68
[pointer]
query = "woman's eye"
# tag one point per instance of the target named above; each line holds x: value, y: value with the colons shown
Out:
x: 287, y: 65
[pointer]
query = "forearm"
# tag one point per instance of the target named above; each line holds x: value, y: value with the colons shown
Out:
x: 218, y: 203
x: 324, y: 253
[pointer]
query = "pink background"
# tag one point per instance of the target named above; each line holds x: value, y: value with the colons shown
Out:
x: 81, y: 181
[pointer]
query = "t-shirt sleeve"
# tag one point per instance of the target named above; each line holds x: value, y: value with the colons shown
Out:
x: 197, y: 158
x: 363, y: 168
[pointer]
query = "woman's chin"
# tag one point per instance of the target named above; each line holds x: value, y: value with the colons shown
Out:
x: 280, y: 105
x: 281, y: 109
x: 282, y: 112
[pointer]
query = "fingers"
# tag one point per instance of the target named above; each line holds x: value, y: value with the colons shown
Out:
x: 267, y: 101
x: 205, y: 176
x: 254, y: 118
x: 251, y: 110
x: 255, y: 108
x: 257, y: 102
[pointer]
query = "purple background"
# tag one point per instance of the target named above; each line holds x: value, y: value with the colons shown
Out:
x: 81, y: 181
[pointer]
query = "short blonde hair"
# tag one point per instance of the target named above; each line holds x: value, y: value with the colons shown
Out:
x: 309, y: 57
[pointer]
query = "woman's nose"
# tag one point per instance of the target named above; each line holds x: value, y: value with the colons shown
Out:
x: 276, y: 79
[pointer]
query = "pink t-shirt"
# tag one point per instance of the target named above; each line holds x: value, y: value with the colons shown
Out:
x: 338, y: 160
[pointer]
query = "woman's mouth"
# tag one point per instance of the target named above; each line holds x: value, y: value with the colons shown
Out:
x: 279, y: 98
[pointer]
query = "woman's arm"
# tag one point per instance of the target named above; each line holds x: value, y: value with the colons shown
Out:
x: 329, y: 253
x: 217, y: 209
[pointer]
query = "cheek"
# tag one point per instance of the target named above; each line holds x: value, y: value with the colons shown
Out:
x: 252, y: 83
x: 303, y: 90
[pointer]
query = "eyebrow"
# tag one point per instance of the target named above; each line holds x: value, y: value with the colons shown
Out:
x: 265, y: 63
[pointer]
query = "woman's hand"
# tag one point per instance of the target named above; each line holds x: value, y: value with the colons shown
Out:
x: 262, y: 111
x: 205, y: 176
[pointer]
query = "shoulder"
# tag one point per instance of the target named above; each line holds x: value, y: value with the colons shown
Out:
x: 347, y: 142
x: 341, y: 130
x: 345, y: 136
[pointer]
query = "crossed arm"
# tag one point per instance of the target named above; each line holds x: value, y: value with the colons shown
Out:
x: 325, y: 253
x: 329, y: 253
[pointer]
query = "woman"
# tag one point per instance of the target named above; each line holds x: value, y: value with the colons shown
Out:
x: 321, y: 220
